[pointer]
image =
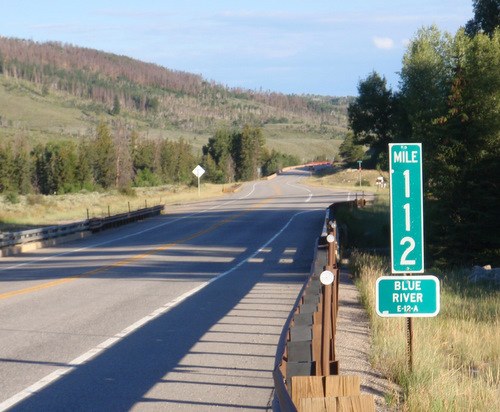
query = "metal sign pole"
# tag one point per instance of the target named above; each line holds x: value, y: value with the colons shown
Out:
x: 198, y: 172
x: 409, y: 338
x: 409, y: 332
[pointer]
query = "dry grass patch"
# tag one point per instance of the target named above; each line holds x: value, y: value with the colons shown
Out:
x: 348, y: 179
x: 456, y: 353
x: 25, y: 212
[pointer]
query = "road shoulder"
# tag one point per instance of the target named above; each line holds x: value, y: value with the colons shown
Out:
x: 352, y: 343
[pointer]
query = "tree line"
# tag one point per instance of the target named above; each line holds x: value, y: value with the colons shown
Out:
x: 449, y: 100
x: 119, y: 159
x: 241, y: 156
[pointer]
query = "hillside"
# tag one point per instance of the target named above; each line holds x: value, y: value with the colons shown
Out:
x: 53, y: 91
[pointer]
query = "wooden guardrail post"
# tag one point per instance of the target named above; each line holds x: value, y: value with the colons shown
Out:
x: 330, y: 393
x: 327, y: 334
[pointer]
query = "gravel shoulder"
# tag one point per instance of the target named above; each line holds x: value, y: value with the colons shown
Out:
x: 352, y: 344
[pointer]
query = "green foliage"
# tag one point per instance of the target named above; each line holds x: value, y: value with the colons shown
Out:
x: 216, y: 155
x: 146, y: 178
x: 366, y: 227
x: 152, y: 104
x: 116, y: 106
x: 104, y: 170
x: 98, y: 162
x: 55, y: 167
x: 350, y: 151
x: 250, y: 143
x: 275, y: 161
x: 370, y: 115
x: 449, y: 100
x: 486, y: 17
x: 235, y: 156
x: 7, y: 169
x: 12, y: 197
x: 127, y: 191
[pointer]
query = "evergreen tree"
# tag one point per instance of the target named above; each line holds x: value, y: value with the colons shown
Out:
x: 229, y: 170
x: 7, y: 170
x: 83, y: 174
x: 212, y: 172
x: 425, y: 85
x: 22, y: 167
x: 167, y: 160
x: 370, y: 116
x: 124, y: 169
x: 104, y: 166
x: 486, y: 17
x: 218, y: 149
x: 184, y: 162
x: 350, y: 151
x: 250, y: 144
x: 451, y: 88
x: 116, y: 106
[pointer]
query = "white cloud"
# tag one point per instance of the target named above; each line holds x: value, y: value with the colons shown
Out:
x: 383, y: 43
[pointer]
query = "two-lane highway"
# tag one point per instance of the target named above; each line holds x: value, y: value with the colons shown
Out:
x: 182, y: 311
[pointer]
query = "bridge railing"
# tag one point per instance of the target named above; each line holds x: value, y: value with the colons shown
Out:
x: 93, y: 225
x: 307, y: 372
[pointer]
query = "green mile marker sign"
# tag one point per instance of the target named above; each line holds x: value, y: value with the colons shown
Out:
x: 407, y: 296
x: 407, y: 220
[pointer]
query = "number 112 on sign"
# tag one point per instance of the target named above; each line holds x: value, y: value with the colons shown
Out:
x: 407, y: 223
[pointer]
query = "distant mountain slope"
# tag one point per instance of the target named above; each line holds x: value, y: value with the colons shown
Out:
x: 54, y: 90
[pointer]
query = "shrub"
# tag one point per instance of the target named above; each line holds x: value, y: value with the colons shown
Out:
x: 12, y: 197
x: 127, y: 191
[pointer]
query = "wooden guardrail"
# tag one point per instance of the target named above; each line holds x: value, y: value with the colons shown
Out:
x: 307, y: 373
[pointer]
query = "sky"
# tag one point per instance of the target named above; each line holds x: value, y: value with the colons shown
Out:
x: 322, y: 47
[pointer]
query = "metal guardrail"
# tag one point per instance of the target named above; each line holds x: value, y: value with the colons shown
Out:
x: 93, y: 225
x: 96, y: 224
x: 45, y: 233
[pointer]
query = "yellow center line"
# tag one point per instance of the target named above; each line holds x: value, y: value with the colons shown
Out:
x: 132, y: 259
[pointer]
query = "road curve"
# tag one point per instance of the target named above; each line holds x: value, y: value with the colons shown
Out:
x: 179, y: 312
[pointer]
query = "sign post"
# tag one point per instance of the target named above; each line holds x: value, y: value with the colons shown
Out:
x: 198, y: 172
x: 359, y: 163
x: 407, y: 296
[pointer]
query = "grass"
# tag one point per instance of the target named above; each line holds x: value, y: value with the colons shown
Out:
x: 349, y: 179
x: 456, y: 354
x: 24, y: 212
x: 456, y: 364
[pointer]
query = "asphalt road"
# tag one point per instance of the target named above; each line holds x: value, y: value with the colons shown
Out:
x: 179, y: 312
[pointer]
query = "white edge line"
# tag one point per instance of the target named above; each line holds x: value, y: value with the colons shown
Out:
x: 52, y: 377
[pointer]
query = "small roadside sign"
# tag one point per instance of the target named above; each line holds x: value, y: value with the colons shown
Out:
x: 198, y: 171
x: 407, y: 296
x: 407, y: 217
